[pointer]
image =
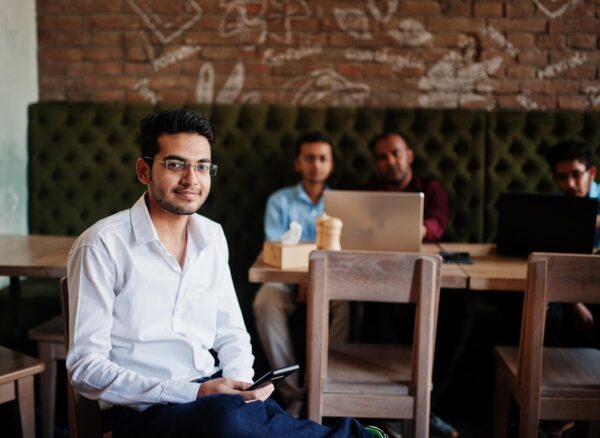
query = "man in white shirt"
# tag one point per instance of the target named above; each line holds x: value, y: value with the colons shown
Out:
x: 150, y: 295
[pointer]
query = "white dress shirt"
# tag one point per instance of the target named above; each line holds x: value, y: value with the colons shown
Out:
x: 142, y: 325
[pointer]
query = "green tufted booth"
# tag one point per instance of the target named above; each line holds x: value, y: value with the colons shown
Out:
x: 82, y: 155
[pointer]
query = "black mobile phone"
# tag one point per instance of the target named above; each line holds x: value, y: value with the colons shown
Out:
x: 273, y: 375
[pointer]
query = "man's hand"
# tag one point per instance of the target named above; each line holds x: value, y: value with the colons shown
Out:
x: 584, y: 320
x: 230, y: 386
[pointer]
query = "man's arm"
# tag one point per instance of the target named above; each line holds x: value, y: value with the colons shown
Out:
x: 276, y: 220
x: 91, y: 281
x: 435, y: 212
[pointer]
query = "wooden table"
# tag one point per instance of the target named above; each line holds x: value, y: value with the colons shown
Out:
x: 489, y: 272
x: 31, y: 256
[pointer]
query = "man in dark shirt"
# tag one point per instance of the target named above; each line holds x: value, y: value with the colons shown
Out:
x: 393, y: 158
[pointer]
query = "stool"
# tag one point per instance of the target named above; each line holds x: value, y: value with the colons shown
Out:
x: 50, y: 337
x: 16, y: 383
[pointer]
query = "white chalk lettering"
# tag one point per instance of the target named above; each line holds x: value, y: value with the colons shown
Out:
x: 174, y: 56
x: 354, y: 22
x: 290, y: 54
x: 383, y: 56
x: 142, y: 88
x: 552, y: 70
x: 499, y: 39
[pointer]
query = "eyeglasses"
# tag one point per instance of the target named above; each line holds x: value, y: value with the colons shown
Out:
x: 576, y: 175
x: 178, y: 166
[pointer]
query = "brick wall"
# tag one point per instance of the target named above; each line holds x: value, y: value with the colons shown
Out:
x: 536, y: 54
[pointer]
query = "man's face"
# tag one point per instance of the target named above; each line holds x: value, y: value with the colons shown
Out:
x: 315, y: 162
x: 572, y: 178
x: 181, y: 191
x: 393, y: 159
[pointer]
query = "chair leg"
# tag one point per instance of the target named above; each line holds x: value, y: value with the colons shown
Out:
x: 26, y: 406
x: 501, y: 407
x: 528, y: 424
x: 47, y: 388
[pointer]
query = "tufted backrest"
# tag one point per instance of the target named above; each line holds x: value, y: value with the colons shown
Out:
x: 82, y: 158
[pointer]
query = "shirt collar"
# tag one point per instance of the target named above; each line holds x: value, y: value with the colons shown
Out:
x: 303, y: 196
x: 144, y: 231
x: 594, y: 190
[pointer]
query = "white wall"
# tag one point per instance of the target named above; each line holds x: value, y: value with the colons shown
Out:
x: 18, y: 88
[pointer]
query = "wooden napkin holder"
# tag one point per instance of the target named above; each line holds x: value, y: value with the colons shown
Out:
x: 287, y: 256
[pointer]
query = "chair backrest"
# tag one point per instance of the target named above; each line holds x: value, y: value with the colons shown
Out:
x: 374, y: 276
x: 85, y: 418
x: 566, y: 278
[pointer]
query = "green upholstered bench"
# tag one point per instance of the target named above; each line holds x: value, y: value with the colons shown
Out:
x: 82, y: 155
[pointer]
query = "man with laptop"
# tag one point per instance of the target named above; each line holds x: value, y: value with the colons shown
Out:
x: 393, y: 160
x: 571, y: 164
x: 276, y: 302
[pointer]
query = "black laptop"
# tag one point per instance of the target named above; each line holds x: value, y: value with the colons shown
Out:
x: 545, y: 223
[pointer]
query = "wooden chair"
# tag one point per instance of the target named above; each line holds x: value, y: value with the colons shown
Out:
x: 85, y: 417
x: 16, y: 384
x: 50, y: 337
x: 375, y: 381
x: 549, y: 383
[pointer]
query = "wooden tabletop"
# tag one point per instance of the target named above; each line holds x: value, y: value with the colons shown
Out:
x: 452, y: 276
x: 490, y: 271
x: 34, y: 255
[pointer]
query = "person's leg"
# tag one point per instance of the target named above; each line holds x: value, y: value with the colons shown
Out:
x: 339, y: 325
x: 273, y: 304
x: 224, y: 416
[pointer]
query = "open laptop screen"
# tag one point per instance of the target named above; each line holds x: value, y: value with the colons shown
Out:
x: 377, y: 221
x: 548, y: 223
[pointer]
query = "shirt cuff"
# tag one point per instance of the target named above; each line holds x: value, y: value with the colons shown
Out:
x: 180, y: 391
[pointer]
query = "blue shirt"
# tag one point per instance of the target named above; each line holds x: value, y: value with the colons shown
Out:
x: 291, y: 204
x: 595, y: 193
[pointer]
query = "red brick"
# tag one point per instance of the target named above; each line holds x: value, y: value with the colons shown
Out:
x: 460, y: 24
x: 79, y: 69
x: 108, y: 68
x: 582, y: 41
x: 350, y: 70
x: 454, y: 8
x: 109, y: 95
x: 534, y: 25
x: 107, y: 38
x: 447, y: 39
x: 520, y: 71
x: 419, y: 8
x: 550, y: 86
x: 108, y: 6
x: 582, y: 10
x: 521, y: 39
x: 482, y: 102
x: 573, y: 102
x: 110, y: 22
x: 581, y: 25
x: 60, y: 54
x: 533, y: 57
x: 103, y: 54
x: 494, y: 9
x: 585, y: 71
x: 519, y: 9
x: 550, y: 41
x: 53, y: 94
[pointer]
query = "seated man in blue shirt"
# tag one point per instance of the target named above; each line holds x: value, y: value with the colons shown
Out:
x: 275, y: 302
x: 151, y: 296
x: 571, y: 164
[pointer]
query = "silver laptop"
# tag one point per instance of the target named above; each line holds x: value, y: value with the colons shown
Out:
x: 377, y: 221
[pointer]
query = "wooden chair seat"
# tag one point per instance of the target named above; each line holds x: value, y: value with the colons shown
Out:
x: 50, y: 337
x: 566, y: 372
x: 16, y: 384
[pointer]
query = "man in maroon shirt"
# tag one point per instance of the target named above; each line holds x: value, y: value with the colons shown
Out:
x: 393, y: 159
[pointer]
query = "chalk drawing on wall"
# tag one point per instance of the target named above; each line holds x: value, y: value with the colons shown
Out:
x: 411, y: 33
x: 593, y: 94
x: 290, y: 54
x: 354, y: 22
x: 458, y: 77
x: 559, y: 67
x: 174, y: 56
x: 324, y: 86
x: 556, y: 8
x: 383, y: 56
x: 527, y: 103
x: 499, y: 39
x: 248, y: 20
x: 164, y: 30
x: 231, y: 90
x: 391, y: 6
x: 144, y: 90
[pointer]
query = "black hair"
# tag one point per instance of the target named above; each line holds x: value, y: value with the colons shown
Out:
x: 381, y: 136
x: 171, y: 122
x: 313, y: 137
x: 569, y: 150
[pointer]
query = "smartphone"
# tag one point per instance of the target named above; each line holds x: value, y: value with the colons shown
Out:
x: 273, y: 375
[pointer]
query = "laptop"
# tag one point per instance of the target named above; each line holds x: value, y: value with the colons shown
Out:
x: 377, y: 221
x: 548, y: 223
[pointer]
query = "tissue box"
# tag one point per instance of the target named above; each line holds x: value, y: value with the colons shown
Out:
x: 287, y: 256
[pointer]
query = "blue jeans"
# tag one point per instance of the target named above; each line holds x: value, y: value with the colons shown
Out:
x: 223, y: 416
